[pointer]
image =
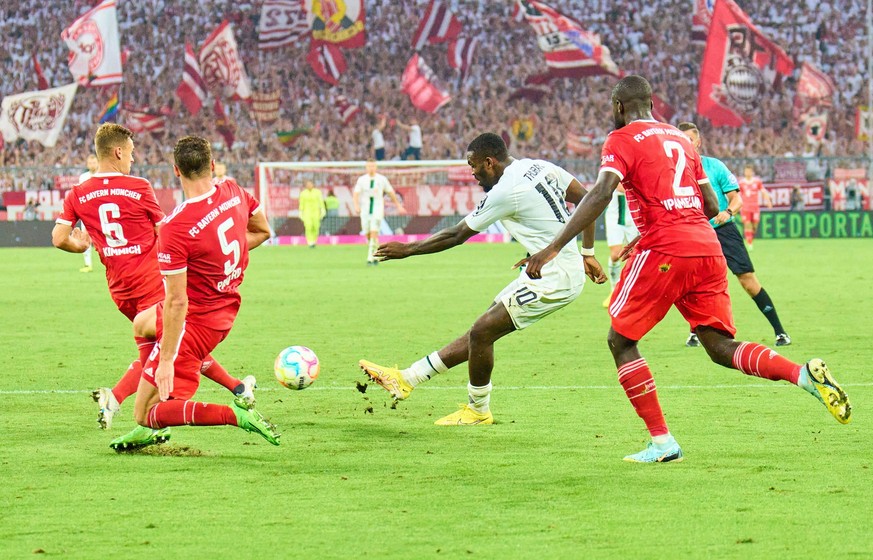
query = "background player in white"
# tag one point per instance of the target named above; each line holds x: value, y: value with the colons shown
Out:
x: 91, y: 163
x: 528, y: 196
x: 620, y: 230
x: 368, y: 198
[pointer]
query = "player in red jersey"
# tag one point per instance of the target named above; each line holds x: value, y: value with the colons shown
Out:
x: 123, y: 213
x: 677, y: 261
x: 751, y: 187
x: 203, y: 251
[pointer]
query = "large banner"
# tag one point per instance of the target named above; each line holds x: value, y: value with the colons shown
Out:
x: 419, y: 83
x: 95, y: 53
x: 740, y: 66
x: 283, y: 22
x: 850, y: 190
x: 828, y: 225
x: 221, y: 65
x: 36, y: 115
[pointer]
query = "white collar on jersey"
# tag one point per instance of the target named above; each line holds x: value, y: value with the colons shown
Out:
x: 107, y: 174
x: 203, y: 196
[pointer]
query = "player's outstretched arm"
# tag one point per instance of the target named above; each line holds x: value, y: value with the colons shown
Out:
x: 71, y: 240
x: 594, y: 203
x: 257, y: 230
x: 175, y: 310
x: 440, y: 241
x: 400, y: 208
x: 710, y: 201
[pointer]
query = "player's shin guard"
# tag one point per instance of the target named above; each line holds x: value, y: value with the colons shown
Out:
x: 216, y: 372
x: 765, y: 304
x: 639, y: 386
x: 760, y: 361
x: 128, y: 383
x: 189, y: 413
x: 145, y: 347
x: 480, y: 397
x: 614, y: 272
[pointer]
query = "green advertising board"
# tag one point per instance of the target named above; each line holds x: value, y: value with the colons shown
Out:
x: 834, y: 225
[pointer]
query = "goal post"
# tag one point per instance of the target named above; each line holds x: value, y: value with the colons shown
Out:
x: 434, y: 194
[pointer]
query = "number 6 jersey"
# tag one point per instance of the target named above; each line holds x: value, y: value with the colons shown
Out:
x: 120, y: 213
x: 205, y: 236
x: 660, y: 171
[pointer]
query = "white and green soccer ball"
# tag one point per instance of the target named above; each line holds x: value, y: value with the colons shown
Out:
x: 296, y: 367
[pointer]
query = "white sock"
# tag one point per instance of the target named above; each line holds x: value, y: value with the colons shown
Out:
x: 480, y: 397
x: 87, y: 254
x: 424, y: 369
x: 614, y: 272
x: 371, y: 249
x: 661, y: 440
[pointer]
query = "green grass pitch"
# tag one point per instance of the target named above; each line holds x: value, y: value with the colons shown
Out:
x: 768, y: 473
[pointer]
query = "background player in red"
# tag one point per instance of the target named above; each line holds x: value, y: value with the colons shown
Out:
x: 751, y: 186
x: 203, y: 251
x: 677, y: 261
x: 122, y: 212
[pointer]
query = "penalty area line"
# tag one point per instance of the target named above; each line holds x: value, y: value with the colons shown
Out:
x: 455, y: 388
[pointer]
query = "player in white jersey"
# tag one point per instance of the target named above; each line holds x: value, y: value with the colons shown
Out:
x: 368, y: 198
x: 528, y: 196
x: 92, y: 169
x: 620, y: 230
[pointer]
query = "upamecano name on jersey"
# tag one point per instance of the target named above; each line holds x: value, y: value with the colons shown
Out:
x: 110, y: 192
x: 214, y: 213
x: 680, y: 203
x: 652, y: 131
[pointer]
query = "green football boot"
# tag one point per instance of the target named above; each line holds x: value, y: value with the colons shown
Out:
x: 140, y: 437
x: 253, y: 421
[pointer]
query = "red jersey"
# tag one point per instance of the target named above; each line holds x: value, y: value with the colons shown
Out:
x: 120, y: 212
x: 206, y: 236
x: 660, y: 171
x: 750, y: 190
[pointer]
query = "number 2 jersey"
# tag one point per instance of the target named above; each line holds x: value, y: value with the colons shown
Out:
x: 529, y: 202
x: 660, y: 171
x: 205, y: 236
x: 120, y: 213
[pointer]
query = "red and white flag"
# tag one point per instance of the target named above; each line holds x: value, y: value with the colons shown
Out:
x: 328, y: 62
x: 437, y: 25
x: 144, y: 120
x: 283, y: 22
x: 570, y: 50
x: 221, y: 65
x: 41, y: 82
x: 815, y: 89
x: 461, y: 54
x: 580, y: 144
x: 192, y: 91
x: 95, y: 54
x: 36, y: 115
x: 701, y: 17
x: 418, y: 83
x: 265, y: 106
x: 740, y: 66
x: 346, y: 109
x: 223, y: 125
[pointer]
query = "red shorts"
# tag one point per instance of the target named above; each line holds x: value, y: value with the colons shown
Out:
x: 131, y: 307
x: 750, y: 216
x: 651, y: 282
x: 195, y: 345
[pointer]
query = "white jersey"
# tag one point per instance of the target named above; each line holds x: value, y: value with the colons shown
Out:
x: 415, y: 136
x: 529, y: 201
x: 84, y: 177
x: 620, y: 228
x: 378, y: 139
x: 371, y: 191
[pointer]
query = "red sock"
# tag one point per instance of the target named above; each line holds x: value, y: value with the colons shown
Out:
x: 760, y: 361
x: 145, y: 346
x: 192, y: 413
x: 639, y: 386
x: 750, y: 236
x: 214, y: 371
x: 128, y: 383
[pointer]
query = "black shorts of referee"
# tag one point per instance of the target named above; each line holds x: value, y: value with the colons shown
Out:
x: 734, y: 249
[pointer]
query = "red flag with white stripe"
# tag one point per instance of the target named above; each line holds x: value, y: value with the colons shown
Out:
x: 701, y: 18
x: 814, y: 89
x: 144, y: 120
x: 437, y: 25
x: 192, y: 91
x: 221, y: 65
x: 283, y: 22
x: 461, y: 54
x: 419, y: 84
x: 346, y: 109
x: 327, y: 61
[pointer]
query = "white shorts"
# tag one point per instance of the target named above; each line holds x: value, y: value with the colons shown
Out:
x: 527, y: 304
x: 371, y: 222
x: 620, y: 235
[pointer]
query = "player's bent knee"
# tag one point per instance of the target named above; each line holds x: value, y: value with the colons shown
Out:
x: 619, y: 344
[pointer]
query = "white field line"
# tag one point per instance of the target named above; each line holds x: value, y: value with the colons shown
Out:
x: 616, y: 387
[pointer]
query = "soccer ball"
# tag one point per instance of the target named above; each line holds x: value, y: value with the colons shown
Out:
x: 296, y: 367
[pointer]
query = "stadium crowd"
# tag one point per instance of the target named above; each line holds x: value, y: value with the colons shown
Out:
x: 651, y: 38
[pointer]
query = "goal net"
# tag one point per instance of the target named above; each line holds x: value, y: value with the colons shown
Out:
x: 434, y: 194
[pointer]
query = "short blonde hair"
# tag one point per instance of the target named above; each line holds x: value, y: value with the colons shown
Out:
x: 110, y: 136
